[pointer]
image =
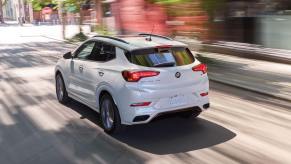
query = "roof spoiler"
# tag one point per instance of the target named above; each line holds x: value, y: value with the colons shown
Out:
x: 154, y: 35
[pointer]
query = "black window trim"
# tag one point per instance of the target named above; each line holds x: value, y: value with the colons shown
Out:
x: 80, y: 48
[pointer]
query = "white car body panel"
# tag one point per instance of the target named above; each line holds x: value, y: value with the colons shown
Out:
x: 165, y: 91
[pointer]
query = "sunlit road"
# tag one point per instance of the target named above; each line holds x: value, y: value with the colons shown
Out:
x: 240, y: 127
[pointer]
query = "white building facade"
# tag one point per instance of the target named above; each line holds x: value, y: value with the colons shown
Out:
x: 16, y: 10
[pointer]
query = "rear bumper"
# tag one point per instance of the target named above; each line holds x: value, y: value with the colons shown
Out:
x: 183, y: 97
x: 146, y: 115
x: 177, y: 112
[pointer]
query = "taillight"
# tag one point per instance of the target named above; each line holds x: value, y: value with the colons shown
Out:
x: 135, y: 76
x: 140, y: 104
x: 204, y: 94
x: 200, y: 67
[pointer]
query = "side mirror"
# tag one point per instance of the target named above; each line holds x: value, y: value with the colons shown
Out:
x: 67, y: 55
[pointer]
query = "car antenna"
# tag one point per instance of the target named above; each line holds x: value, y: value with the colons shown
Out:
x: 150, y: 38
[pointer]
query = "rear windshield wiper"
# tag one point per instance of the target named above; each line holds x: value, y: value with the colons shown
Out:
x: 166, y: 64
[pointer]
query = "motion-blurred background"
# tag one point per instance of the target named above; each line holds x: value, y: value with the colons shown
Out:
x: 260, y: 22
x: 245, y: 44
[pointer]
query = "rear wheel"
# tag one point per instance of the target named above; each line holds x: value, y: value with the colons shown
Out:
x: 110, y: 118
x: 61, y: 91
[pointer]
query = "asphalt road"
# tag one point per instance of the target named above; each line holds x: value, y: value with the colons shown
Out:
x: 240, y: 127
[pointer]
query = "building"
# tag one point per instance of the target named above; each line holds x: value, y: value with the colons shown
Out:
x: 15, y: 9
x: 263, y: 22
x: 177, y: 19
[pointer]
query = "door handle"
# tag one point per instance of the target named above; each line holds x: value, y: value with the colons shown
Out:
x: 81, y: 68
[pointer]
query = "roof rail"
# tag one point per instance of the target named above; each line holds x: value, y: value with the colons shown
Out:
x: 111, y: 37
x: 160, y: 36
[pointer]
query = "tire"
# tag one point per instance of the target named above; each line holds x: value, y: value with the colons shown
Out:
x: 61, y: 92
x: 110, y: 118
x: 190, y: 114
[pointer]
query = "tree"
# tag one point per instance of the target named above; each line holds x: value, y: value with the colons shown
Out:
x: 71, y: 6
x: 75, y: 6
x: 98, y: 9
x: 38, y: 5
x: 211, y: 6
x: 2, y: 3
x: 61, y: 13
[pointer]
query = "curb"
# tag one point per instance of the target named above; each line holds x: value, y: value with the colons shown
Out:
x: 285, y: 98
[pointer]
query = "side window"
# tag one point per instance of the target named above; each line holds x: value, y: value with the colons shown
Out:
x: 85, y: 50
x: 109, y: 51
x: 103, y: 52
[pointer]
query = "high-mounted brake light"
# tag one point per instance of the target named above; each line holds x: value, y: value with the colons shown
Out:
x: 135, y: 76
x: 164, y: 46
x: 200, y: 67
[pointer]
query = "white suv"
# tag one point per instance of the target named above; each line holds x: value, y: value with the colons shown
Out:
x: 131, y: 80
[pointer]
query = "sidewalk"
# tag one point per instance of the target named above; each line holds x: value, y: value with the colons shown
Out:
x: 272, y: 79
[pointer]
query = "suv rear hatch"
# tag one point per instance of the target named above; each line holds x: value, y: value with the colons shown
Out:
x: 167, y: 75
x: 174, y: 65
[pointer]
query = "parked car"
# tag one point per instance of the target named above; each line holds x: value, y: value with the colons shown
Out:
x: 134, y: 79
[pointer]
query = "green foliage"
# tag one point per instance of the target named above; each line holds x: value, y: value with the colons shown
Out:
x: 72, y: 6
x: 4, y: 2
x: 38, y: 5
x: 169, y: 2
x: 80, y: 37
x: 102, y: 30
x: 210, y: 6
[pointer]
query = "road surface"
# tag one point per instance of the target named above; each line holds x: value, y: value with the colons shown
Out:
x: 240, y: 127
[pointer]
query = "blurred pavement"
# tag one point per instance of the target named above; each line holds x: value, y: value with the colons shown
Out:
x: 273, y: 79
x: 12, y: 33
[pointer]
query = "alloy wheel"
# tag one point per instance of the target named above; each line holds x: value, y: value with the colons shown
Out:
x: 107, y: 114
x: 60, y: 88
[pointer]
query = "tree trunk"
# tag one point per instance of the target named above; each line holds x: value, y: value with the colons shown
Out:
x: 98, y: 9
x: 1, y: 12
x: 81, y: 20
x: 20, y: 13
x: 62, y: 18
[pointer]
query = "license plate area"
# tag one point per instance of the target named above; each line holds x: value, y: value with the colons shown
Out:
x: 177, y: 100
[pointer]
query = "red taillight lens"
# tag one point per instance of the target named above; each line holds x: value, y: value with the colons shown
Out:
x: 140, y: 104
x: 204, y: 94
x: 200, y: 67
x: 135, y: 76
x: 164, y: 46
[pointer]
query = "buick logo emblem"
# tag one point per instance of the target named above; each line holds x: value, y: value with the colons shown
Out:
x: 178, y: 75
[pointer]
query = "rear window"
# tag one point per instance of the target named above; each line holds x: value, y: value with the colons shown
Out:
x: 169, y: 57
